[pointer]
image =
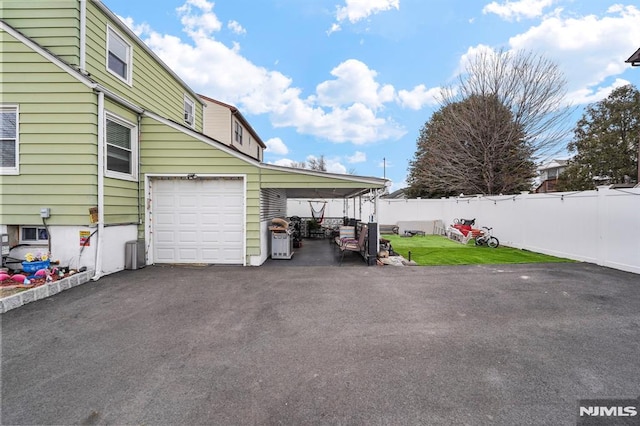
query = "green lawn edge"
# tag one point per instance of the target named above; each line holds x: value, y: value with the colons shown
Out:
x: 436, y: 250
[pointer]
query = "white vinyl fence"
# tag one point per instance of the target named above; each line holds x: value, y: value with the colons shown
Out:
x: 601, y: 227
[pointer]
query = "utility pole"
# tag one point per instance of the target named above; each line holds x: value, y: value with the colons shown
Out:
x: 384, y: 167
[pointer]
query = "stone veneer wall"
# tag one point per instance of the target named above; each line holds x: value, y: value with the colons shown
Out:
x: 44, y: 291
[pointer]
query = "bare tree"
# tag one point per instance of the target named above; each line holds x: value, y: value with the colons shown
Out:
x: 318, y: 164
x: 471, y: 147
x: 529, y: 85
x: 505, y: 111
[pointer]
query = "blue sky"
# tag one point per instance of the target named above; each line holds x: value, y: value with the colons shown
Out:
x: 355, y: 80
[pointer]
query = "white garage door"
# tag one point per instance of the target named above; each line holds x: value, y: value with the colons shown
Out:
x: 198, y: 221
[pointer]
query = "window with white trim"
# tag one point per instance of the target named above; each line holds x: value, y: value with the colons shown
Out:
x: 189, y: 111
x: 119, y: 56
x: 121, y: 148
x: 238, y: 133
x: 33, y: 234
x: 9, y: 131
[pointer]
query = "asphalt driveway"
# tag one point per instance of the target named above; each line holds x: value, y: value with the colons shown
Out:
x: 517, y: 344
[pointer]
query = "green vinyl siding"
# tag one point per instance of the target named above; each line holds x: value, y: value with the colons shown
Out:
x: 57, y: 140
x: 121, y: 196
x: 165, y: 150
x: 52, y: 24
x: 153, y: 87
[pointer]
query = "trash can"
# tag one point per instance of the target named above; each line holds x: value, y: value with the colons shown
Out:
x: 134, y: 256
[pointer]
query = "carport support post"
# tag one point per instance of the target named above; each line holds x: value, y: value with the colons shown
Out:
x: 372, y: 246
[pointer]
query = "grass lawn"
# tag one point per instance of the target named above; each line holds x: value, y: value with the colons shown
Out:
x: 439, y: 250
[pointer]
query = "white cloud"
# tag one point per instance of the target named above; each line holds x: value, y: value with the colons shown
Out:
x: 343, y: 109
x: 334, y: 28
x: 332, y: 165
x: 591, y: 95
x: 276, y: 146
x: 336, y: 167
x: 356, y: 10
x: 354, y: 82
x: 418, y: 97
x: 398, y: 185
x: 516, y: 10
x: 356, y: 123
x: 285, y: 162
x: 357, y: 157
x: 199, y: 25
x: 235, y: 27
x: 589, y: 49
x: 138, y: 29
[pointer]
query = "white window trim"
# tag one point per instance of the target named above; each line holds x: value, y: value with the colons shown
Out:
x: 127, y: 80
x: 13, y: 170
x: 191, y: 102
x: 36, y: 241
x: 134, y: 148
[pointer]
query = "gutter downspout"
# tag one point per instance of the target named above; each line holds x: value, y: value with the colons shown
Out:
x: 101, y: 133
x: 138, y: 171
x: 83, y: 36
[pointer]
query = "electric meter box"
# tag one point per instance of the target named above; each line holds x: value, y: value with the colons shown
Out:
x: 4, y: 244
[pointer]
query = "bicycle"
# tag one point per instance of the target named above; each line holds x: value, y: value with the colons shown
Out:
x: 486, y: 239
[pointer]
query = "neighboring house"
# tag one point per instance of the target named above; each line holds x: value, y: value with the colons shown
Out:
x: 102, y: 135
x: 397, y: 194
x: 548, y: 175
x: 634, y: 59
x: 225, y: 123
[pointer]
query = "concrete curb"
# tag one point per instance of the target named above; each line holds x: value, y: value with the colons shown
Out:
x: 42, y: 292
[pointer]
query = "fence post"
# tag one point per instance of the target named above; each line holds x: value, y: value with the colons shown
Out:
x: 601, y: 225
x: 522, y: 210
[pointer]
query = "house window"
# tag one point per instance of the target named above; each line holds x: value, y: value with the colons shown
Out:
x: 189, y: 111
x: 122, y: 145
x: 9, y: 140
x: 238, y: 133
x: 119, y: 56
x: 33, y: 234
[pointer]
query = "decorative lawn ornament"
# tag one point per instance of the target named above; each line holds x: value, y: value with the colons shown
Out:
x: 19, y: 278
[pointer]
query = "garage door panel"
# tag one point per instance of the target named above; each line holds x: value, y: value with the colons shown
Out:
x: 198, y: 221
x: 188, y: 237
x: 188, y: 219
x: 164, y: 201
x: 188, y: 201
x: 164, y: 218
x: 165, y: 255
x: 190, y: 253
x: 165, y: 237
x: 212, y: 219
x: 211, y: 237
x: 211, y: 201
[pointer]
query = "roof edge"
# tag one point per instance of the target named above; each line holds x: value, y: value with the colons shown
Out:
x: 352, y: 178
x: 144, y: 46
x: 634, y: 59
x: 235, y: 111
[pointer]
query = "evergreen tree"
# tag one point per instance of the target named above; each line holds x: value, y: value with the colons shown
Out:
x: 605, y: 142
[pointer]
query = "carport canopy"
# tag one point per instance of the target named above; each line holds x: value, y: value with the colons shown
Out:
x: 303, y: 183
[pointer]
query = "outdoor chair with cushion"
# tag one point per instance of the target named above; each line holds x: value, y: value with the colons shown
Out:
x: 352, y: 244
